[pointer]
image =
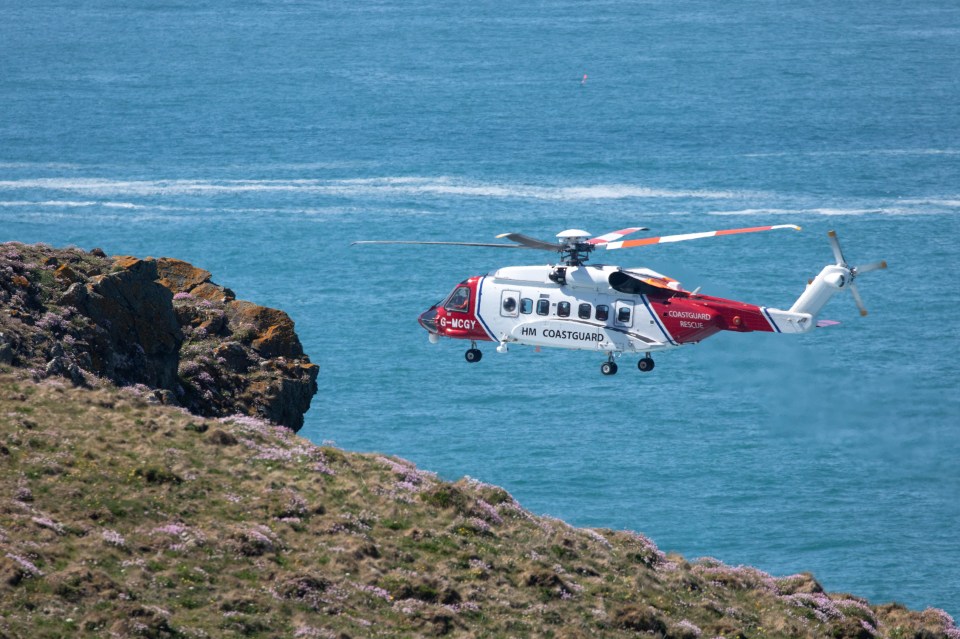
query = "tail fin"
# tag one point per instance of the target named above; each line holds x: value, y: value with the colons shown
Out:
x: 831, y: 280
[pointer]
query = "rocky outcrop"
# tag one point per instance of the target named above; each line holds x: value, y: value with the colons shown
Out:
x: 237, y: 351
x: 140, y: 338
x: 161, y: 323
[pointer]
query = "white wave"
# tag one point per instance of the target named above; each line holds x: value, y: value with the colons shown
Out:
x: 58, y: 166
x: 360, y: 187
x: 947, y: 202
x: 620, y: 191
x: 827, y: 212
x: 448, y: 186
x: 390, y: 181
x: 852, y: 152
x: 73, y: 204
x: 59, y: 203
x: 313, y: 211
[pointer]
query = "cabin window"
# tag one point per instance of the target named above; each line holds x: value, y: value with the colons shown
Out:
x: 583, y: 311
x: 508, y: 303
x: 459, y: 300
x: 543, y: 307
x: 603, y: 313
x: 563, y: 309
x: 624, y: 313
x: 526, y: 306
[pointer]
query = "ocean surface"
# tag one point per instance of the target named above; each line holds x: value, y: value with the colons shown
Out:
x: 259, y: 139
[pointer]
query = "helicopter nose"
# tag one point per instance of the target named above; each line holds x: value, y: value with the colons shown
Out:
x: 428, y: 320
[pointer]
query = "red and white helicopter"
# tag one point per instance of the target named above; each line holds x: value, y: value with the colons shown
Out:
x: 610, y: 309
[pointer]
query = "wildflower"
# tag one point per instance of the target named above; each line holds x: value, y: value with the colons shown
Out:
x: 26, y: 565
x: 690, y: 627
x: 309, y: 632
x: 465, y: 606
x: 949, y: 625
x: 113, y: 538
x: 51, y: 322
x: 409, y: 473
x: 175, y: 530
x: 489, y: 512
x: 46, y: 522
x: 480, y: 525
x: 407, y: 486
x: 478, y: 564
x: 598, y: 537
x: 822, y: 607
x: 188, y: 369
x: 375, y: 591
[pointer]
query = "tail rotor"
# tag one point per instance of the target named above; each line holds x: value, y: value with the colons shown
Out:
x: 832, y: 279
x: 853, y: 270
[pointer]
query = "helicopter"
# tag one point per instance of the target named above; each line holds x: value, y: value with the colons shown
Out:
x: 609, y: 309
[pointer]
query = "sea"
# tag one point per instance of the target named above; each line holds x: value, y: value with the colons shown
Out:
x: 259, y: 139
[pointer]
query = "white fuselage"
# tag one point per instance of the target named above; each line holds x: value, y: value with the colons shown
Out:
x: 522, y: 304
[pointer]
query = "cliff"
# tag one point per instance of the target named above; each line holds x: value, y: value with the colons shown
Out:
x: 125, y: 514
x: 160, y: 323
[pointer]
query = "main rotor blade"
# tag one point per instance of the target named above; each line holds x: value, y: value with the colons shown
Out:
x: 508, y: 246
x: 866, y: 268
x: 835, y: 245
x: 857, y: 298
x: 530, y: 242
x: 693, y: 236
x: 616, y: 235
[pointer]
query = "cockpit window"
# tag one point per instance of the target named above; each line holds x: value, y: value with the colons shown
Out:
x: 459, y: 300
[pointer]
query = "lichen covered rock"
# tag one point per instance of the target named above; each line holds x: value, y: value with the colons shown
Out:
x: 161, y: 323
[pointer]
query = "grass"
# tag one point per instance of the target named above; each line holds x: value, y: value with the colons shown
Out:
x: 119, y: 517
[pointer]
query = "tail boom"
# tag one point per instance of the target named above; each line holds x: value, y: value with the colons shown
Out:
x: 694, y: 318
x: 831, y: 280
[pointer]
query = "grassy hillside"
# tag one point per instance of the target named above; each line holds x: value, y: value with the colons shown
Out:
x: 121, y: 517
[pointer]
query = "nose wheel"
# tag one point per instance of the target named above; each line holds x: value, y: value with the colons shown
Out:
x: 646, y: 364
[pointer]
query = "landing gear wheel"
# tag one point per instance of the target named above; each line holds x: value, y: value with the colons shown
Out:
x: 473, y: 355
x: 608, y: 368
x: 646, y: 364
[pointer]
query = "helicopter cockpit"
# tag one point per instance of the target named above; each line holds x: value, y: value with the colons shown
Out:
x: 459, y: 300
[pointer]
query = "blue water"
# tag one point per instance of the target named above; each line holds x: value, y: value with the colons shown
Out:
x: 258, y: 139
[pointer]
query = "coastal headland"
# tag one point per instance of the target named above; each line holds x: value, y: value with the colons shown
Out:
x: 152, y: 485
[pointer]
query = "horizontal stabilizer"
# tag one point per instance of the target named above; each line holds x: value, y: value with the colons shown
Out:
x: 825, y: 323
